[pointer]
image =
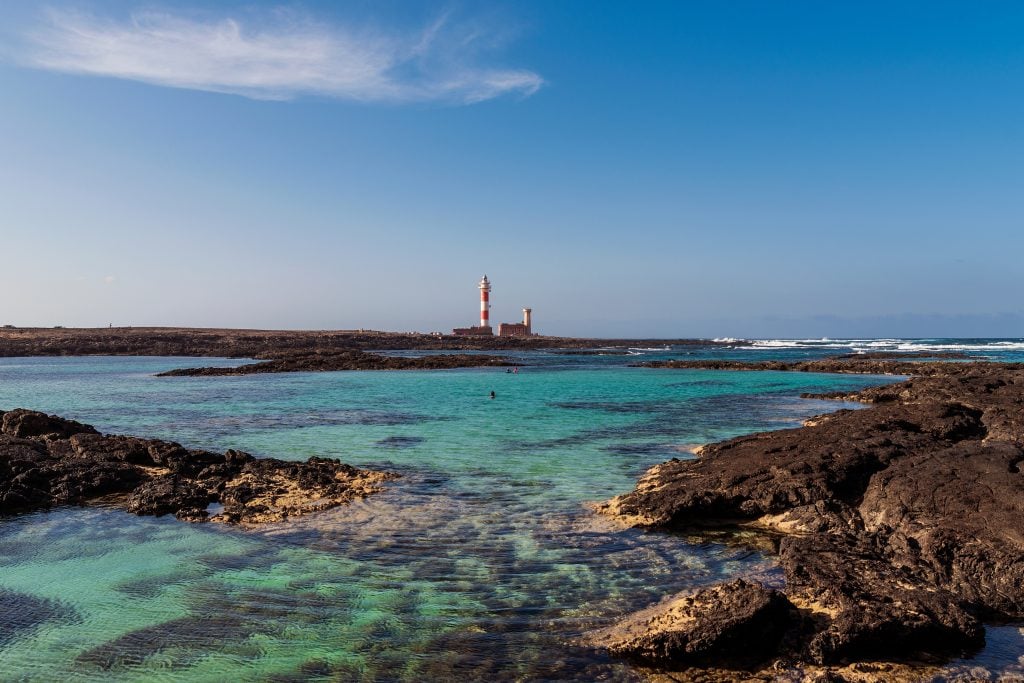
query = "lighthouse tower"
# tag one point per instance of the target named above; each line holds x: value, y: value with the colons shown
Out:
x: 484, y: 328
x: 485, y: 305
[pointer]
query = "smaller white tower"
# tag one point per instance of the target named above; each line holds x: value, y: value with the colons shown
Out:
x: 528, y: 320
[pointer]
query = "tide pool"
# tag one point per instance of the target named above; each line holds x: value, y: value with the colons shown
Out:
x: 481, y: 562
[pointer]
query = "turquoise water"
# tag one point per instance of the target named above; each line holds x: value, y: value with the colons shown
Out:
x: 481, y: 562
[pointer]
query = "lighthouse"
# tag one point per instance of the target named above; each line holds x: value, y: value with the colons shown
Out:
x: 484, y: 328
x: 523, y: 329
x: 485, y: 304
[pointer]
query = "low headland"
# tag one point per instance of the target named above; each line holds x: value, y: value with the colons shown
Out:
x: 899, y: 528
x: 47, y: 461
x: 295, y: 351
x: 261, y: 344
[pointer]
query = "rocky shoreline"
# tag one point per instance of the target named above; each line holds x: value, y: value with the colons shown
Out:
x: 299, y: 351
x: 899, y: 527
x: 324, y: 361
x: 269, y: 344
x: 47, y: 461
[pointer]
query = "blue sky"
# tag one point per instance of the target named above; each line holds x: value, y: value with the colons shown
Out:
x: 661, y: 169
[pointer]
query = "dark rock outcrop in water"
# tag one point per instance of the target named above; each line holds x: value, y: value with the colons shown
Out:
x: 900, y: 526
x: 321, y: 361
x: 47, y: 461
x: 855, y: 364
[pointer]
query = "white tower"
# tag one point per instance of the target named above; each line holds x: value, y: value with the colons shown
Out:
x: 485, y: 302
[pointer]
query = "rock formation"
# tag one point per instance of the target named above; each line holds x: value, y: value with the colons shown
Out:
x: 46, y: 461
x: 900, y: 526
x: 319, y: 361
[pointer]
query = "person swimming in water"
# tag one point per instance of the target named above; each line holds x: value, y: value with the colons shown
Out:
x: 493, y: 394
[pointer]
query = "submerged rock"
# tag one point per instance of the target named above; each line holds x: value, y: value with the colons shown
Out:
x: 47, y: 461
x: 901, y: 525
x: 24, y: 614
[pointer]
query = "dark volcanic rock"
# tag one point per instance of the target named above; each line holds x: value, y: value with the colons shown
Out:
x: 47, y: 461
x: 28, y: 423
x: 738, y: 623
x: 902, y: 524
x: 872, y: 608
x: 768, y: 473
x: 902, y: 355
x: 269, y: 344
x: 345, y: 360
x: 168, y: 494
x: 957, y: 517
x: 856, y: 364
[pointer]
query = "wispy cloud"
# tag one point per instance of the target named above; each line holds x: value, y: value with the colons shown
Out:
x: 279, y: 57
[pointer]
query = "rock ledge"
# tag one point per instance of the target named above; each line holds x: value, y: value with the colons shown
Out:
x: 46, y: 461
x: 899, y: 527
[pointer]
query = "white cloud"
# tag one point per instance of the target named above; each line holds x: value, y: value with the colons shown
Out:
x: 108, y: 279
x: 279, y: 58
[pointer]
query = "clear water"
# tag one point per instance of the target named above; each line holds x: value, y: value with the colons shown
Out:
x: 481, y: 562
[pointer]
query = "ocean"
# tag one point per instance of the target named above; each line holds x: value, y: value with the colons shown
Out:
x: 483, y: 561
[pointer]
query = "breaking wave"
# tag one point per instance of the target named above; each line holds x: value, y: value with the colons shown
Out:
x: 908, y: 345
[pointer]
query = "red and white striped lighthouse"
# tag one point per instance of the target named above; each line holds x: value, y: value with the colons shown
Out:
x: 485, y: 302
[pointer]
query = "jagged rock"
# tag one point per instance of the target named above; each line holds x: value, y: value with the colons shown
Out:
x: 167, y: 494
x: 271, y: 491
x: 95, y: 446
x: 768, y: 473
x: 739, y: 623
x: 28, y: 423
x: 869, y: 607
x: 956, y: 515
x: 47, y: 461
x: 902, y: 523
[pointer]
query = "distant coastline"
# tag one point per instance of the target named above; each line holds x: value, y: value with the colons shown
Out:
x: 271, y: 344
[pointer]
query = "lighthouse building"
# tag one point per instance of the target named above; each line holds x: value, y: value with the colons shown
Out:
x: 522, y: 329
x: 484, y: 328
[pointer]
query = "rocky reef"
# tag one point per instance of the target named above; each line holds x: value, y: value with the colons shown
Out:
x: 321, y: 361
x: 859, y: 364
x: 899, y: 527
x: 47, y: 461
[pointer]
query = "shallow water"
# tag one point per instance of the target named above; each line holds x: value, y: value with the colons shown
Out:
x: 481, y: 562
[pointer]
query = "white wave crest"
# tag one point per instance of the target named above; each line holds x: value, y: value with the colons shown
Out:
x: 892, y: 344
